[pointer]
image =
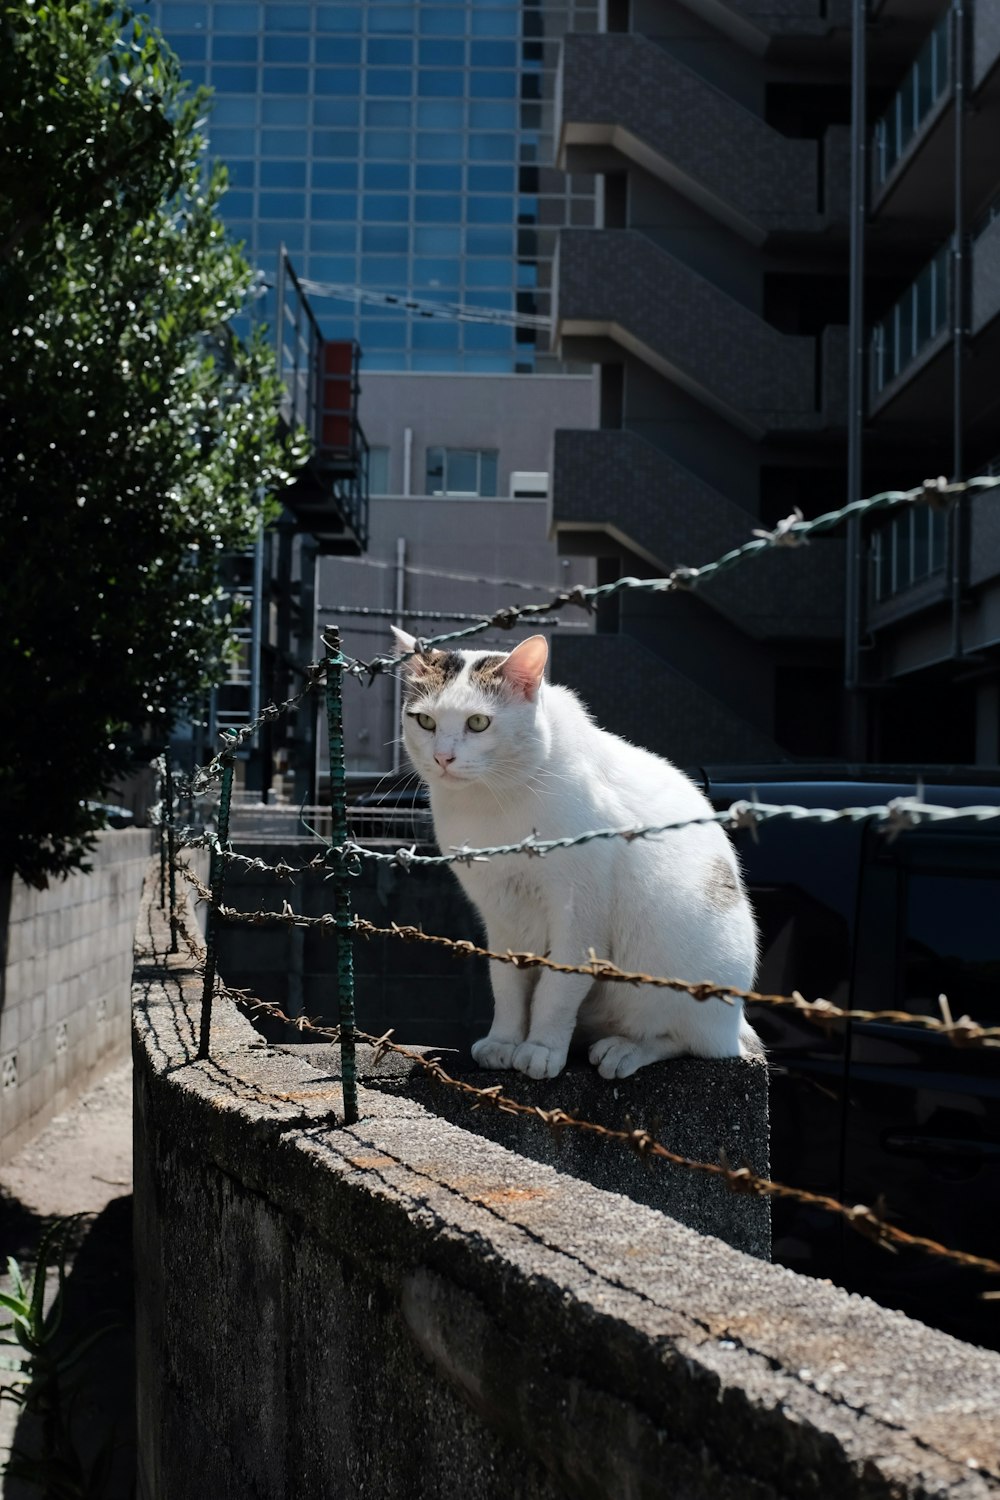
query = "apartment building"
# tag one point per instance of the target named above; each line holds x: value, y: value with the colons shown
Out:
x: 761, y: 348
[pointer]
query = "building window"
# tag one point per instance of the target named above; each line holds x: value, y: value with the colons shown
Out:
x: 461, y: 471
x: 378, y: 471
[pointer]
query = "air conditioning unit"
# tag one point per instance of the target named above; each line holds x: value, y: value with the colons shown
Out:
x: 529, y: 484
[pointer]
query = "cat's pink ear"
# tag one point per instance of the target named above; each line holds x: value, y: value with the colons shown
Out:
x: 404, y: 642
x: 525, y: 666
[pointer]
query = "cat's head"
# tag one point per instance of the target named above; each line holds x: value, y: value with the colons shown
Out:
x: 472, y: 716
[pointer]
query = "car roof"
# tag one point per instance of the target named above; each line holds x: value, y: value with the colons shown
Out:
x: 852, y: 785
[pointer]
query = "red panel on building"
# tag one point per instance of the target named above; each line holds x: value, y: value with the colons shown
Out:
x: 337, y: 404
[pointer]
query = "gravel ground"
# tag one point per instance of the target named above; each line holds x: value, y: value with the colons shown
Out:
x: 82, y: 1163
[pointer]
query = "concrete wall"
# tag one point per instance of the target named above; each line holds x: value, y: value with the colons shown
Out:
x: 403, y: 1309
x: 65, y: 962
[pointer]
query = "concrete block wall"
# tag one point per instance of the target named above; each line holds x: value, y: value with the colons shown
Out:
x: 401, y: 1308
x: 65, y: 968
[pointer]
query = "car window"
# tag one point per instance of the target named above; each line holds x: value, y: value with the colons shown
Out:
x: 951, y: 944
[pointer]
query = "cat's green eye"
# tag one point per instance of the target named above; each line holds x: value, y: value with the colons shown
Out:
x: 425, y: 721
x: 478, y: 722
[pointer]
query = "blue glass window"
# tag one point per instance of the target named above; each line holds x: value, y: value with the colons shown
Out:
x: 380, y: 174
x: 441, y: 114
x: 230, y: 143
x: 282, y: 206
x: 189, y: 48
x: 238, y: 205
x: 390, y: 239
x: 491, y: 148
x: 235, y: 80
x: 487, y: 364
x: 487, y: 336
x: 435, y: 271
x: 390, y: 18
x: 338, y: 17
x: 237, y: 18
x: 333, y: 268
x: 283, y: 174
x: 239, y: 229
x: 381, y: 207
x: 329, y: 238
x: 493, y: 86
x: 240, y: 176
x: 336, y: 111
x: 431, y: 333
x: 440, y: 178
x: 494, y: 54
x: 286, y: 49
x: 389, y: 81
x: 488, y: 273
x: 338, y: 80
x: 235, y: 110
x: 428, y: 241
x: 491, y: 179
x: 279, y: 232
x: 334, y: 205
x: 338, y: 51
x: 383, y: 145
x: 384, y: 270
x: 390, y: 51
x: 490, y: 210
x: 437, y: 84
x: 284, y: 111
x: 496, y: 23
x: 285, y: 17
x: 489, y: 241
x: 438, y: 210
x: 195, y: 74
x: 335, y: 174
x: 436, y: 21
x: 527, y: 273
x: 499, y: 298
x: 492, y: 116
x: 426, y: 359
x: 388, y: 112
x: 234, y: 49
x: 379, y: 333
x: 178, y: 16
x: 286, y: 80
x: 442, y: 54
x: 335, y: 143
x: 431, y: 147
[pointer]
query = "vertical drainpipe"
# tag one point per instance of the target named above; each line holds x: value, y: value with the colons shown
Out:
x: 959, y: 303
x: 397, y: 683
x: 407, y: 462
x: 854, y: 591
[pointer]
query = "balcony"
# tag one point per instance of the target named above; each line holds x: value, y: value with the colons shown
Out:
x: 618, y: 483
x: 914, y: 327
x: 923, y: 88
x: 762, y: 26
x: 626, y: 95
x: 907, y: 551
x: 618, y: 287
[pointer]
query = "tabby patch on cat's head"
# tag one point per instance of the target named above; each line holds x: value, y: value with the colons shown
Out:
x: 516, y: 673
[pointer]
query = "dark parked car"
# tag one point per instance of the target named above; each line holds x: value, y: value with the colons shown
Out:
x: 887, y: 1115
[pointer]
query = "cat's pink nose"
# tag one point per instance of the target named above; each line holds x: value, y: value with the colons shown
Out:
x: 444, y: 758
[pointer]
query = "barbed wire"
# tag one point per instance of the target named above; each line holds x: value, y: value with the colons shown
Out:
x: 891, y: 818
x: 368, y: 611
x: 860, y: 1217
x: 963, y: 1032
x: 792, y: 531
x: 454, y: 312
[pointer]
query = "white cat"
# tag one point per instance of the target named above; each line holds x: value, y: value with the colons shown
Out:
x: 505, y: 754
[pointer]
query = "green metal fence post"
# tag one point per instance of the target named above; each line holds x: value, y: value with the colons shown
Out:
x: 162, y: 795
x: 171, y: 850
x: 217, y: 880
x: 342, y: 891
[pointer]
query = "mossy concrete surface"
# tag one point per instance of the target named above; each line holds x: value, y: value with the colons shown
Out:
x: 402, y: 1308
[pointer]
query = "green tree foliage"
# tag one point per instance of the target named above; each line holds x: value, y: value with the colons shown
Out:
x: 137, y: 436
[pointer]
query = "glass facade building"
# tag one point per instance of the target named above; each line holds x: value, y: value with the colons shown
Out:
x: 399, y: 148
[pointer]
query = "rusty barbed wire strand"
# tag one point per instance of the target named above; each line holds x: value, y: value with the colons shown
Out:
x: 859, y: 1217
x: 891, y: 818
x: 963, y: 1032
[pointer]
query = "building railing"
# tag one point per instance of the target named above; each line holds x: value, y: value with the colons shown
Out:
x: 918, y: 316
x: 907, y: 550
x: 924, y: 85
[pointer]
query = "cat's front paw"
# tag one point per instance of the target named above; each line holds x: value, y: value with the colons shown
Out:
x: 490, y: 1052
x: 617, y: 1056
x: 539, y: 1061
